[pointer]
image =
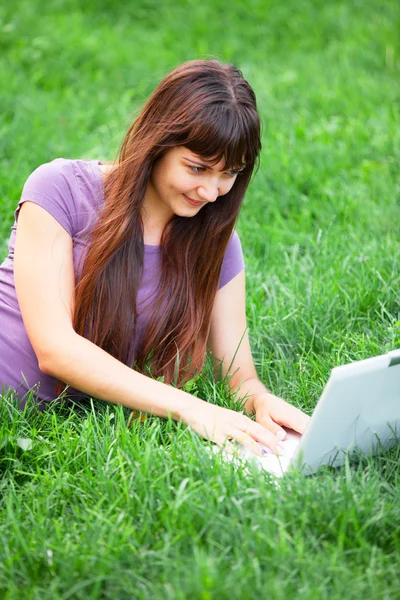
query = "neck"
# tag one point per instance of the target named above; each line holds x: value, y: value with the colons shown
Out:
x: 154, y: 218
x: 155, y: 215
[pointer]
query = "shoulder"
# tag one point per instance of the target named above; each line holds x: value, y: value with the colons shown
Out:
x: 233, y: 261
x: 234, y: 247
x: 234, y: 239
x: 72, y: 182
x: 61, y: 173
x: 69, y: 189
x: 59, y: 167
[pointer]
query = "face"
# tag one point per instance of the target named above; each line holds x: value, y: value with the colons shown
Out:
x: 182, y: 183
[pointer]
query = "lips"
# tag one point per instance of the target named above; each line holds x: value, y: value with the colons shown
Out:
x: 193, y: 202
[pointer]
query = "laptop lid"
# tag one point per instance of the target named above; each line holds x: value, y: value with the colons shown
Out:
x: 358, y: 409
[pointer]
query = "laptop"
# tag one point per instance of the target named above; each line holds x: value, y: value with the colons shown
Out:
x: 359, y: 410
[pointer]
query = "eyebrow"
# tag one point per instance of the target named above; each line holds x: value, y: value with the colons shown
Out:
x: 208, y: 165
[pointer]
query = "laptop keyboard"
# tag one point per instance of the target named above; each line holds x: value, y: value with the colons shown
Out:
x: 276, y: 464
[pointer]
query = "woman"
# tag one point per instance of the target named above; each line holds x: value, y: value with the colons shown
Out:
x: 136, y: 264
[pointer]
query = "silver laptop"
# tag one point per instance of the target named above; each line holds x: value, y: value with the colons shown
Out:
x: 359, y: 410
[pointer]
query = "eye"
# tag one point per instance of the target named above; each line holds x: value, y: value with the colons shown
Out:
x: 196, y: 169
x: 233, y: 172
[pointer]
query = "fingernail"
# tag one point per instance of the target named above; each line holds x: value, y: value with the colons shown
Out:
x: 280, y: 448
x: 280, y: 434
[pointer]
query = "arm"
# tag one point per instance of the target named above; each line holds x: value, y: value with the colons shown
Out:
x: 44, y: 279
x: 229, y: 341
x: 229, y: 344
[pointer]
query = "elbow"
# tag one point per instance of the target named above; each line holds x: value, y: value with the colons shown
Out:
x: 46, y: 364
x: 53, y: 359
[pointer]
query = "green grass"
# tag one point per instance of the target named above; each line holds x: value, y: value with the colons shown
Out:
x: 91, y: 509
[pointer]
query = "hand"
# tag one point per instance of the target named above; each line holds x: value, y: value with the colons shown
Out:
x: 273, y: 412
x: 221, y: 425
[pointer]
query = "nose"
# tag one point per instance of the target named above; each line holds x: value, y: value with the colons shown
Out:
x: 208, y: 192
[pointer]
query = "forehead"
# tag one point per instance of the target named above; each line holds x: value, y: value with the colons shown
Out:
x: 215, y: 164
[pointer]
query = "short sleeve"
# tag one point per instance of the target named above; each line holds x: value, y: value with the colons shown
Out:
x: 51, y: 187
x: 233, y: 262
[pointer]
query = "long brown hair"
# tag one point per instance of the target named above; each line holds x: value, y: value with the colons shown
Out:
x: 209, y: 108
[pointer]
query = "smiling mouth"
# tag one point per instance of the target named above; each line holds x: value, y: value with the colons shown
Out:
x: 193, y: 202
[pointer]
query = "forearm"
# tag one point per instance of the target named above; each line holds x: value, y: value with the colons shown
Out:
x: 249, y: 388
x: 86, y: 367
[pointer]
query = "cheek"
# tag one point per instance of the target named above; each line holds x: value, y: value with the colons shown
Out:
x: 226, y: 186
x: 185, y: 183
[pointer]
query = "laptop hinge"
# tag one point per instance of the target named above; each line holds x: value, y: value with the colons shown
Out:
x: 394, y: 358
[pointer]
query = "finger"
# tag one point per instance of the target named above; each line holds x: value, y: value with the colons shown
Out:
x: 236, y: 440
x: 244, y: 439
x: 290, y: 416
x: 298, y: 420
x: 261, y: 434
x: 273, y: 427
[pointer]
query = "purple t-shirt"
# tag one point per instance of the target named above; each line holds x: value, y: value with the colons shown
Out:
x: 72, y: 192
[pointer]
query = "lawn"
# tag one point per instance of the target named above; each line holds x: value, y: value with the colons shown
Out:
x: 92, y: 509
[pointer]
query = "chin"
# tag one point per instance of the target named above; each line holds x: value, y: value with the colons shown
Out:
x: 187, y: 211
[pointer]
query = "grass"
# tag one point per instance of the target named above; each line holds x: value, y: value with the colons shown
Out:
x: 95, y: 510
x: 91, y: 509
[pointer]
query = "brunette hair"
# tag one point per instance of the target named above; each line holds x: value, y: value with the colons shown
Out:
x: 209, y: 108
